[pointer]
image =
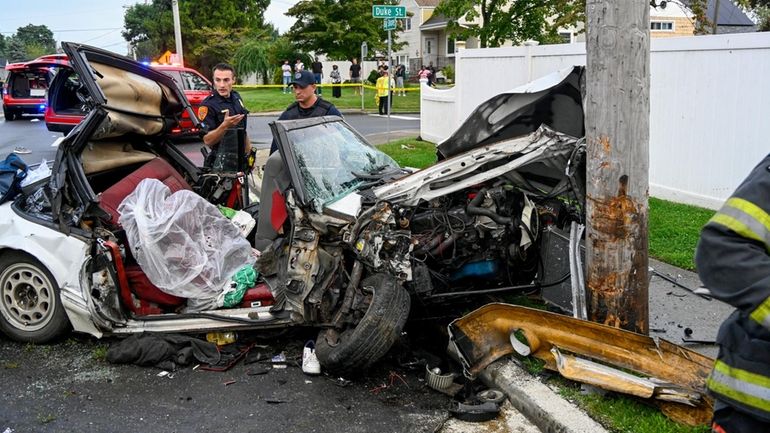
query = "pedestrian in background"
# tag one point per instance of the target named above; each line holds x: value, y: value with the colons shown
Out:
x: 382, y: 91
x: 400, y: 75
x: 318, y: 73
x: 336, y: 79
x: 286, y: 75
x: 424, y: 74
x: 298, y: 66
x: 355, y: 75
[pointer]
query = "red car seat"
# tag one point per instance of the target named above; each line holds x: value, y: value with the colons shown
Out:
x: 143, y: 297
x: 158, y: 168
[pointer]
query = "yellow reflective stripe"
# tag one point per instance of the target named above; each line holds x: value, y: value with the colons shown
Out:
x: 740, y: 385
x: 736, y: 226
x: 762, y: 314
x: 742, y: 375
x: 748, y: 400
x: 751, y: 209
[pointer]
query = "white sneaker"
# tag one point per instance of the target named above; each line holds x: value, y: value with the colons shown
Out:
x: 310, y: 364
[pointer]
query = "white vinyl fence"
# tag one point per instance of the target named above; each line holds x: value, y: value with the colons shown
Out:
x: 709, y: 105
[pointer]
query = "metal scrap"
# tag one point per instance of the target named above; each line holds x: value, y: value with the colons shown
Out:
x: 672, y: 376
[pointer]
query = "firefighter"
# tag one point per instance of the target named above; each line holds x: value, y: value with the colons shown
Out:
x: 733, y: 262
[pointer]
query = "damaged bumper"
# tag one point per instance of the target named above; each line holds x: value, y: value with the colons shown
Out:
x: 614, y: 359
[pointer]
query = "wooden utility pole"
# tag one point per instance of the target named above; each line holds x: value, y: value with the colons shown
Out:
x: 617, y: 109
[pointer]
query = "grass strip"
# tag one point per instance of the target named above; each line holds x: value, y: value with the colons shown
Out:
x: 273, y: 99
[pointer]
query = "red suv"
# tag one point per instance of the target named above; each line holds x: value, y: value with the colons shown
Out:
x: 25, y: 88
x: 65, y: 109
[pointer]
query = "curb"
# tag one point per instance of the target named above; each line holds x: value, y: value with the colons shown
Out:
x: 550, y: 412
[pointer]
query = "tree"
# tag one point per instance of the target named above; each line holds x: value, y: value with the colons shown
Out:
x: 761, y: 9
x: 337, y: 27
x: 3, y: 46
x: 210, y: 34
x: 17, y: 52
x: 511, y: 20
x: 37, y: 39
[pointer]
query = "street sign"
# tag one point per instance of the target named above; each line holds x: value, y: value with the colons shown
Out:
x: 389, y: 24
x: 387, y: 11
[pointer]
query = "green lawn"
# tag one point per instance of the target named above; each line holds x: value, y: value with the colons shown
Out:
x: 410, y: 152
x: 674, y: 231
x: 272, y: 99
x: 623, y: 414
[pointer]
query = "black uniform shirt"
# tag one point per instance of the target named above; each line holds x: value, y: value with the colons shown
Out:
x: 211, y: 112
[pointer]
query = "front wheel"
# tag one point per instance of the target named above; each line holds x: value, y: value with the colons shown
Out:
x: 359, y: 347
x: 30, y: 307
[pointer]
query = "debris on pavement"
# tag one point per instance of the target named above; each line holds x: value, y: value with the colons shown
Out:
x: 475, y: 412
x: 672, y: 376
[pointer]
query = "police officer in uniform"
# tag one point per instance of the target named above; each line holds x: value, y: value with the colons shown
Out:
x: 222, y: 110
x: 733, y: 261
x: 307, y: 104
x: 276, y: 179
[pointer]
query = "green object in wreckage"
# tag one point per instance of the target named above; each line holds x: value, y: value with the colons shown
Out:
x: 226, y: 211
x: 244, y: 279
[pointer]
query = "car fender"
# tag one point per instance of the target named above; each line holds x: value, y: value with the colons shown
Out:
x: 62, y: 255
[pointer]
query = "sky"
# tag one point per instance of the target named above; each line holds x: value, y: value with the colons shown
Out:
x: 97, y: 23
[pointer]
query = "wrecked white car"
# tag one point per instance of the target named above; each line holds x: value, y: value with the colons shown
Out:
x: 348, y: 239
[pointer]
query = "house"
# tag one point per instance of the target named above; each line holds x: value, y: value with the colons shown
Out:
x: 427, y: 40
x: 675, y: 18
x: 426, y: 37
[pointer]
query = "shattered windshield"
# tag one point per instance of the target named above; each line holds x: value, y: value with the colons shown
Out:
x: 331, y: 160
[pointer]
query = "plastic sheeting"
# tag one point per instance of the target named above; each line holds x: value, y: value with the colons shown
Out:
x: 182, y: 242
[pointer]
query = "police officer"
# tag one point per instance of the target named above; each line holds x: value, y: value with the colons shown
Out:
x: 222, y: 110
x: 307, y: 104
x: 275, y: 178
x: 733, y: 262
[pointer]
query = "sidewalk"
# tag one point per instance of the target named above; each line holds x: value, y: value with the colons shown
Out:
x: 672, y: 310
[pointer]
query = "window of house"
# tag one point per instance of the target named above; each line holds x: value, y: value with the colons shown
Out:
x: 428, y: 47
x: 450, y: 46
x: 665, y: 26
x: 408, y: 23
x: 566, y: 37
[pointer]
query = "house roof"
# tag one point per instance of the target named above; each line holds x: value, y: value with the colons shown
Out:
x: 729, y: 13
x: 436, y: 21
x: 427, y: 3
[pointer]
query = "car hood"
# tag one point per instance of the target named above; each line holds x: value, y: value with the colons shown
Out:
x: 554, y: 100
x: 138, y: 99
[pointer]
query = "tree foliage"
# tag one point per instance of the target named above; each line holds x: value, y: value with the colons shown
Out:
x: 29, y: 42
x: 514, y: 20
x: 210, y: 32
x: 338, y: 27
x: 37, y: 36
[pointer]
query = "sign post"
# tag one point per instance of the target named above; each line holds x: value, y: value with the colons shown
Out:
x: 389, y: 14
x: 364, y: 52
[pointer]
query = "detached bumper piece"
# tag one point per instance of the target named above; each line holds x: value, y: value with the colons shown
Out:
x: 671, y: 376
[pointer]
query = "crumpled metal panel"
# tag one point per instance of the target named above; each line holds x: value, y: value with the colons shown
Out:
x: 554, y: 100
x: 485, y: 335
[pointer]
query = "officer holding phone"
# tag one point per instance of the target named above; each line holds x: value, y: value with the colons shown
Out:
x: 221, y: 111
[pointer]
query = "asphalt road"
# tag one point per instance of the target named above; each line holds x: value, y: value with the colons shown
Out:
x: 30, y: 132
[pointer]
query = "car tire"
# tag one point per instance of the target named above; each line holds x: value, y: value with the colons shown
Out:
x: 30, y: 306
x: 8, y: 113
x: 359, y: 347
